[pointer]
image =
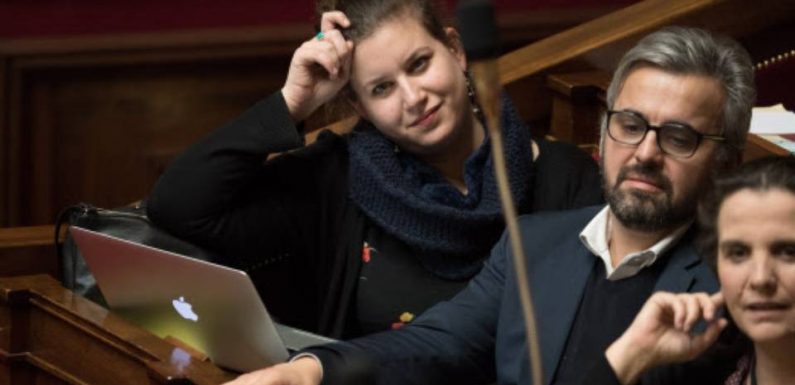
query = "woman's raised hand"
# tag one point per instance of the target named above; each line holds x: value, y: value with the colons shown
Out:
x: 320, y: 67
x: 662, y: 333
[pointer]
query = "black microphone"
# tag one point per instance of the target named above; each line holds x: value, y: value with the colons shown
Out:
x: 480, y: 39
x: 479, y: 36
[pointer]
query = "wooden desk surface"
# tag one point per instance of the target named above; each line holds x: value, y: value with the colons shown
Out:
x: 757, y: 147
x: 50, y: 335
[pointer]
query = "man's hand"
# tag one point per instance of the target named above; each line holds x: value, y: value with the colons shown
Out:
x: 661, y: 333
x: 303, y: 371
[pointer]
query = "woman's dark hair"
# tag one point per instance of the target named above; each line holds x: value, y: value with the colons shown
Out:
x: 762, y: 174
x: 367, y: 15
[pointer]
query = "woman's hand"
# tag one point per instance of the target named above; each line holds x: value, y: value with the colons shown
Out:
x: 661, y: 333
x: 303, y: 371
x: 319, y: 69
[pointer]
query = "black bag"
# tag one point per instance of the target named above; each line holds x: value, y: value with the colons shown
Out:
x: 130, y: 223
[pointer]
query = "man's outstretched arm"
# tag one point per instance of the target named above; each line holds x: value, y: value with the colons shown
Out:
x: 452, y: 342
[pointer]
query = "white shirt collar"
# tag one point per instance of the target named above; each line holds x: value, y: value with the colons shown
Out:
x: 595, y: 238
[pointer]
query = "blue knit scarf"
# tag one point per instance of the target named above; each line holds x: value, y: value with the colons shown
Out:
x: 413, y: 202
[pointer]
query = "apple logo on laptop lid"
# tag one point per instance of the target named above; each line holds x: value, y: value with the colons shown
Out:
x: 185, y: 309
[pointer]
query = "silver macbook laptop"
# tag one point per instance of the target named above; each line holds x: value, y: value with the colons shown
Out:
x: 212, y: 308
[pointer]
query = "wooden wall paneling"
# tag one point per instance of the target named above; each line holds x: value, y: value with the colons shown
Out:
x: 207, y: 43
x: 45, y: 118
x: 38, y: 157
x: 578, y: 102
x: 4, y: 174
x: 517, y: 29
x: 13, y: 135
x: 28, y: 250
x: 154, y: 116
x: 534, y: 100
x: 103, y: 126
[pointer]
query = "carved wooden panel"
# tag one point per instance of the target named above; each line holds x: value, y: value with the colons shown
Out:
x: 103, y: 134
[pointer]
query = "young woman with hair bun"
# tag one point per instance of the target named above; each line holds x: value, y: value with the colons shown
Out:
x: 358, y: 233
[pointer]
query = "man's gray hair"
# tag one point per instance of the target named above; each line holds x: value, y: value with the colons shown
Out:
x: 682, y: 50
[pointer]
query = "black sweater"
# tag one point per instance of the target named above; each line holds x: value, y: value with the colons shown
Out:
x: 289, y: 222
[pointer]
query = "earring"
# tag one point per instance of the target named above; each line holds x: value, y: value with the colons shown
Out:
x: 473, y: 100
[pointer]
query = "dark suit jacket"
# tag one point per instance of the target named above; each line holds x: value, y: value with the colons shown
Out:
x: 480, y: 333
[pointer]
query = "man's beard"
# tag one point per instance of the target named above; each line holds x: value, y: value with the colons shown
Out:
x: 644, y: 211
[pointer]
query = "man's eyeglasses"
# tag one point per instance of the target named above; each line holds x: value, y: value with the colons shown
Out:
x: 679, y: 140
